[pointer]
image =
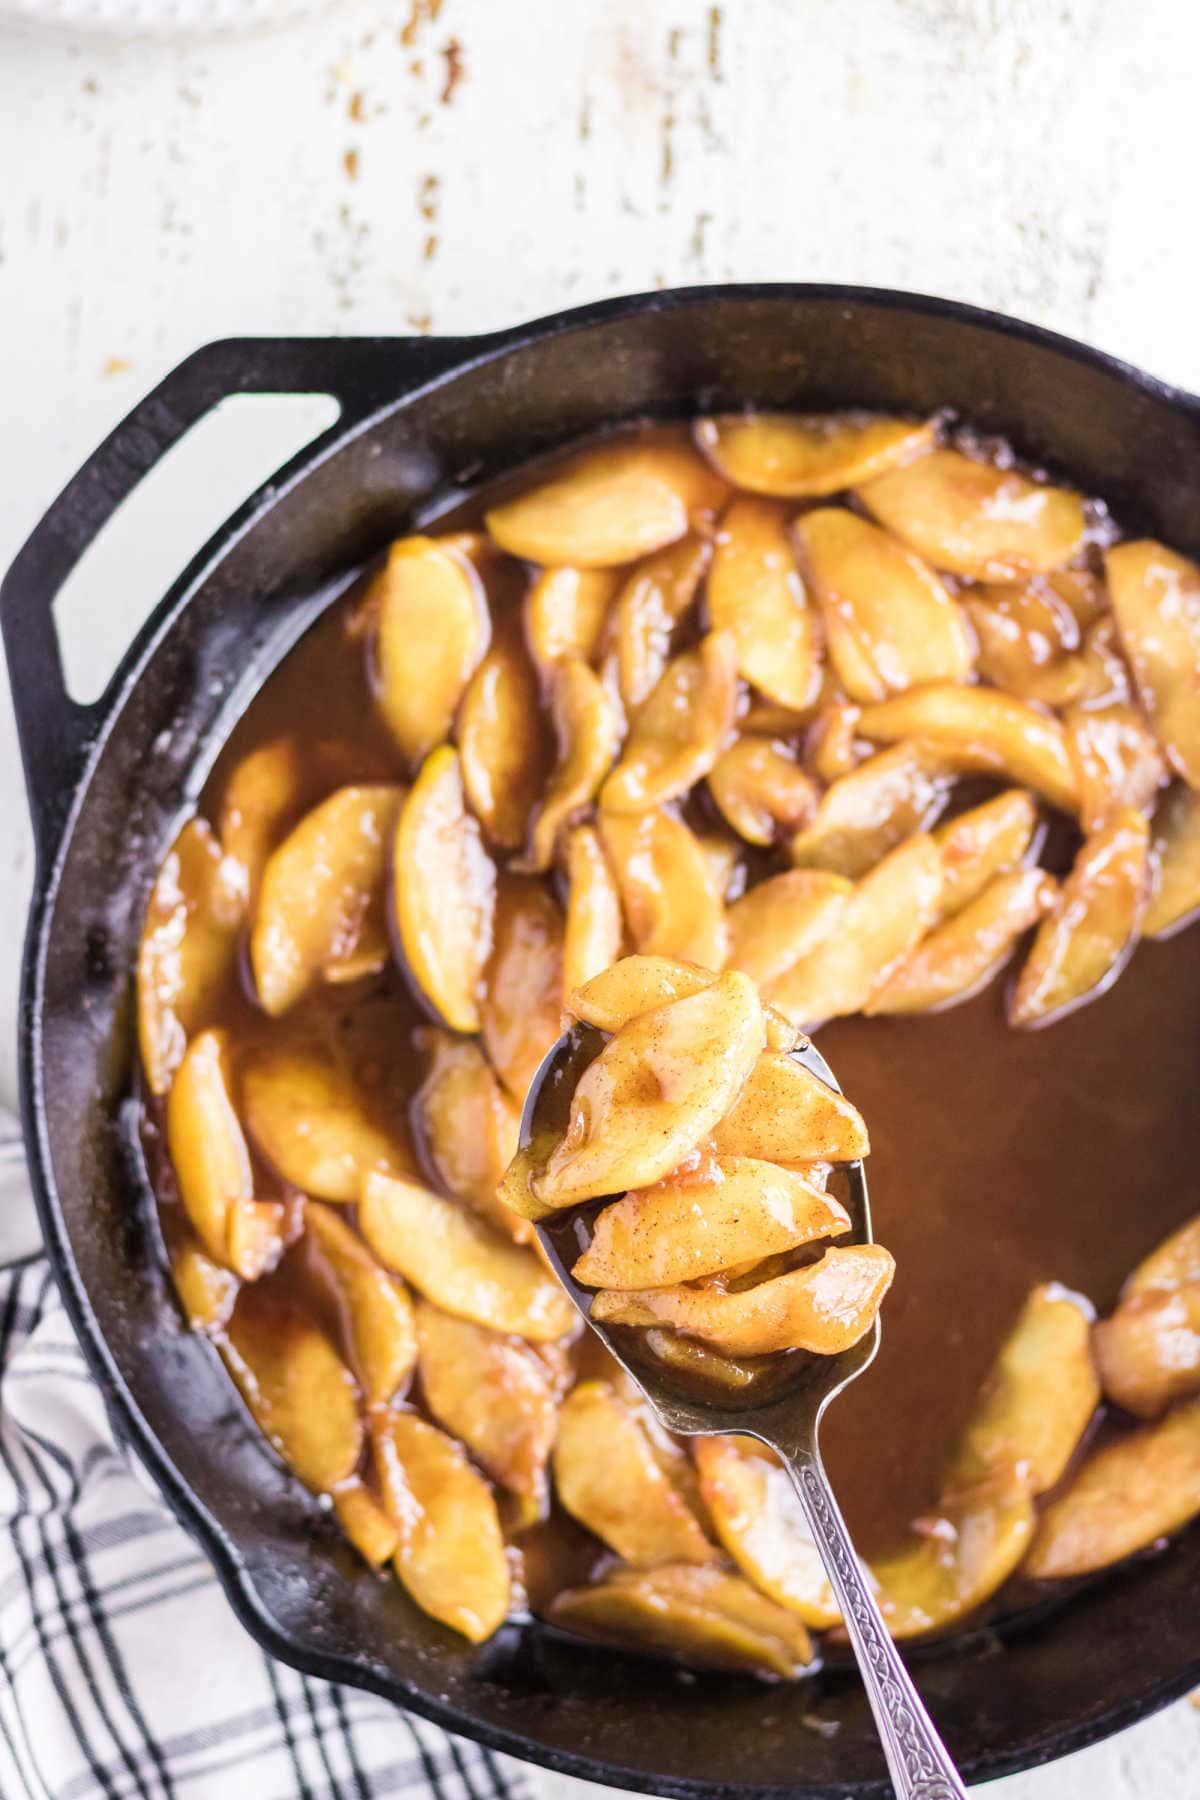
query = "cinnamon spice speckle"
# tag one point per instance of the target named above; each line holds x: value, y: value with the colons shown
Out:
x: 350, y: 163
x: 452, y: 51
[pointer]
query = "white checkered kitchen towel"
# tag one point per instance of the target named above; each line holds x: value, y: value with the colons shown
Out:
x: 123, y: 1673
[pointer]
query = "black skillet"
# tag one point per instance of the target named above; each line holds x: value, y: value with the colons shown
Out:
x: 422, y: 420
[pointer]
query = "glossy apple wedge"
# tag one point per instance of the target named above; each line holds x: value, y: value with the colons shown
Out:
x: 636, y: 984
x: 1156, y: 598
x: 376, y: 1308
x: 890, y: 623
x: 1148, y: 1350
x: 968, y: 950
x: 371, y: 1529
x: 1082, y: 945
x: 432, y: 634
x: 496, y: 1393
x: 607, y: 1476
x: 656, y: 1089
x: 1176, y: 834
x: 594, y: 927
x: 782, y: 919
x: 680, y: 729
x: 956, y: 1562
x: 761, y: 790
x: 1128, y: 1494
x: 467, y: 1126
x: 982, y: 730
x: 451, y: 1555
x: 212, y: 1163
x: 502, y: 743
x: 726, y: 1212
x: 608, y: 506
x: 302, y: 1395
x: 785, y: 1113
x: 673, y: 905
x: 588, y: 734
x: 188, y: 949
x: 757, y: 1516
x: 443, y: 893
x: 322, y: 899
x: 207, y: 1290
x: 1170, y: 1264
x: 1117, y: 760
x: 883, y: 919
x: 756, y: 592
x: 461, y: 1263
x: 523, y: 981
x: 868, y: 812
x: 311, y: 1121
x: 824, y: 1307
x: 1028, y: 638
x: 654, y: 602
x: 800, y: 456
x: 832, y: 746
x: 984, y: 842
x: 565, y: 614
x: 974, y: 518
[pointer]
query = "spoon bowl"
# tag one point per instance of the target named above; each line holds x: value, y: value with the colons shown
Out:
x: 779, y: 1400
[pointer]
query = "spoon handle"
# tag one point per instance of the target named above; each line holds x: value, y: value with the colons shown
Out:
x: 917, y: 1760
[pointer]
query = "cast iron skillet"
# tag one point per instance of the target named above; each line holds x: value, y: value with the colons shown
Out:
x: 422, y: 419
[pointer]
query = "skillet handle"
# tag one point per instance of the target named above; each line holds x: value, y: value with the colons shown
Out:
x: 56, y: 732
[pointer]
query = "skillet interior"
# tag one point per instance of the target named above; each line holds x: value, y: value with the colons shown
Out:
x: 1117, y: 1650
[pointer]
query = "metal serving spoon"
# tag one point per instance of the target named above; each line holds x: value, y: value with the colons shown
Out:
x: 786, y: 1417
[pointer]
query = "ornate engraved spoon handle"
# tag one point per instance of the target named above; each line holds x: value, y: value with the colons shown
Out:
x: 918, y: 1762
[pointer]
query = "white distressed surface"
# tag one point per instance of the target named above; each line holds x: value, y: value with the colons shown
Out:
x: 155, y: 194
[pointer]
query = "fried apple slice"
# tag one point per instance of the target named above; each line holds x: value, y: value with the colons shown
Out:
x: 206, y: 1290
x: 608, y: 506
x: 783, y: 919
x: 467, y: 1126
x: 502, y: 744
x: 444, y: 891
x: 982, y: 843
x: 833, y: 747
x: 654, y: 601
x: 1177, y: 852
x: 322, y: 900
x: 451, y: 1554
x: 974, y: 518
x: 953, y: 1563
x: 1106, y: 673
x: 785, y: 1113
x: 755, y: 592
x: 824, y: 1307
x: 760, y: 789
x: 1117, y: 760
x: 594, y: 928
x: 633, y: 986
x: 496, y: 1394
x: 301, y: 1394
x: 729, y: 1211
x: 188, y: 950
x: 1156, y: 598
x: 522, y: 984
x: 1083, y: 944
x: 759, y: 1520
x: 565, y: 614
x: 588, y: 732
x: 607, y: 1476
x: 212, y: 1164
x: 890, y: 624
x: 966, y: 952
x: 1028, y: 638
x: 460, y: 1263
x: 1128, y: 1494
x: 311, y: 1122
x: 654, y: 1092
x: 884, y: 918
x: 1148, y: 1352
x: 432, y: 634
x: 377, y: 1310
x: 865, y: 814
x: 679, y: 730
x: 701, y: 1616
x: 983, y: 730
x: 372, y: 1531
x: 1172, y: 1264
x: 800, y: 456
x: 1038, y: 1399
x: 264, y: 789
x: 673, y: 907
